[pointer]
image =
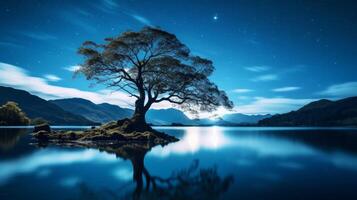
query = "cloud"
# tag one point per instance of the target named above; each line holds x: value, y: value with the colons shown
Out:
x: 10, y: 44
x: 341, y: 90
x: 286, y: 89
x: 261, y: 68
x: 17, y: 77
x: 51, y: 77
x: 78, y: 19
x: 110, y: 3
x: 243, y: 97
x: 266, y: 77
x: 72, y: 68
x: 39, y: 35
x: 141, y: 19
x: 112, y: 7
x: 242, y: 90
x: 263, y: 105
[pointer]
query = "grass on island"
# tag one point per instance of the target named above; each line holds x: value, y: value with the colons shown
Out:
x: 108, y: 133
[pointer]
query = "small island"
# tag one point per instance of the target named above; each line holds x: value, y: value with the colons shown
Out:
x: 152, y: 66
x: 110, y: 133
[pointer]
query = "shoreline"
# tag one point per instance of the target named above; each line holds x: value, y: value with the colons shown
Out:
x: 170, y: 126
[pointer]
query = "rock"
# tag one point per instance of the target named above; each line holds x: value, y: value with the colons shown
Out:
x: 42, y: 127
x: 42, y: 135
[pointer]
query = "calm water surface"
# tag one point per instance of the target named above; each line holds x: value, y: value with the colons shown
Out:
x: 207, y: 162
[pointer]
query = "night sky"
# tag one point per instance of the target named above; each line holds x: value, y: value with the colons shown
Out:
x: 270, y: 56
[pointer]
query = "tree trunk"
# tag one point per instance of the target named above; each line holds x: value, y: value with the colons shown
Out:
x: 140, y: 111
x: 139, y: 118
x: 138, y: 121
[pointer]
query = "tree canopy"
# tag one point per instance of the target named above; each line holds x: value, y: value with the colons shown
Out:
x: 12, y: 115
x: 153, y: 66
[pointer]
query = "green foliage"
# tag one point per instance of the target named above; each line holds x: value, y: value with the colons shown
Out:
x: 12, y: 115
x: 38, y: 121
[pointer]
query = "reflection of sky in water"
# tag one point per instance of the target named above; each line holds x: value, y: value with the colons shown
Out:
x: 257, y: 155
x: 214, y: 138
x: 196, y: 139
x: 48, y: 158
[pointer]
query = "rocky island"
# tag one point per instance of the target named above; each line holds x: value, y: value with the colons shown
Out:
x: 109, y: 133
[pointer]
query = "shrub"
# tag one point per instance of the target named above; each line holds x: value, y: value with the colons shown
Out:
x: 12, y: 115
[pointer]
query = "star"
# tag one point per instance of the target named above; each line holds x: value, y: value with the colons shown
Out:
x: 215, y: 17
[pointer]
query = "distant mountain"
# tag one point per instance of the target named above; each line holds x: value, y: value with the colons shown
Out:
x: 107, y: 112
x: 77, y: 111
x: 167, y: 117
x: 211, y: 122
x: 239, y: 118
x: 319, y: 113
x: 95, y: 112
x: 35, y: 107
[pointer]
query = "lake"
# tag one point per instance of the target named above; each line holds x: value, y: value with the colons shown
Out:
x: 207, y: 163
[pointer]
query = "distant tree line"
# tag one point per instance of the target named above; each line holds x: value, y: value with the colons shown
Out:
x: 12, y: 115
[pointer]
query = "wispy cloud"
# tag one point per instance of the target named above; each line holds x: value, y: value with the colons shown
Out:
x: 10, y: 44
x: 17, y: 77
x: 141, y: 19
x: 72, y: 68
x: 39, y: 35
x: 106, y: 6
x: 110, y: 3
x: 260, y: 68
x: 78, y: 19
x: 286, y: 89
x: 112, y: 7
x: 242, y: 90
x: 266, y: 77
x: 341, y: 90
x: 52, y: 77
x: 262, y: 105
x: 243, y: 97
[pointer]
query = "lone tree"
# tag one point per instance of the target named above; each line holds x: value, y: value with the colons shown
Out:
x: 153, y: 66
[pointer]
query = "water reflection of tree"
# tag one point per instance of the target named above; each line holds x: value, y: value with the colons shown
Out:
x: 190, y: 183
x: 9, y: 137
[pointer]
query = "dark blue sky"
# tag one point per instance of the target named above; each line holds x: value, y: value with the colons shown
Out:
x: 270, y: 56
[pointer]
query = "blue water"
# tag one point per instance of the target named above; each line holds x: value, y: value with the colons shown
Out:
x: 207, y: 162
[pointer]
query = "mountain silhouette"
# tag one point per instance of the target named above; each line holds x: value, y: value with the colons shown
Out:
x: 78, y: 111
x: 318, y: 113
x: 36, y: 107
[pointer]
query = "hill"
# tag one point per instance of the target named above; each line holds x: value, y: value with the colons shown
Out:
x: 36, y: 107
x: 77, y: 111
x: 95, y: 112
x: 319, y: 113
x: 167, y: 117
x: 243, y: 119
x: 107, y: 112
